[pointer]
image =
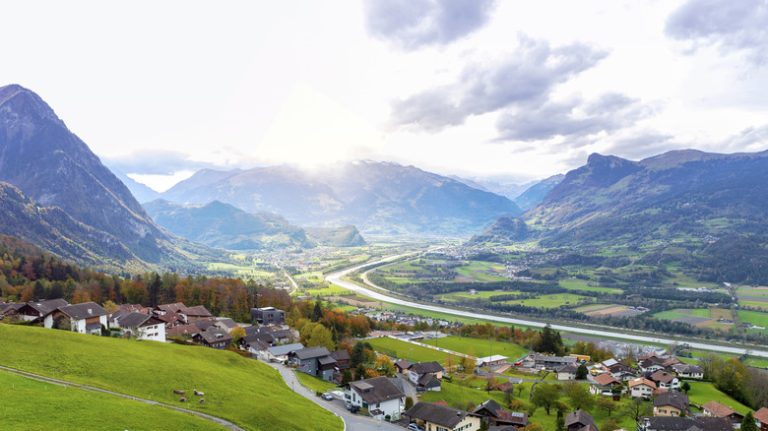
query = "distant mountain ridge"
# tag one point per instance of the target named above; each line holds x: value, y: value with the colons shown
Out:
x: 377, y: 197
x: 535, y: 194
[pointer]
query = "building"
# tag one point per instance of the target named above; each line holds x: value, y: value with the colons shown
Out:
x: 124, y: 310
x: 677, y: 423
x: 491, y: 361
x: 34, y: 310
x: 214, y: 338
x: 580, y: 421
x: 226, y: 324
x: 383, y: 399
x: 342, y: 358
x: 268, y: 316
x: 665, y: 380
x: 85, y: 318
x: 567, y: 372
x: 605, y: 384
x: 142, y: 326
x: 418, y: 370
x: 434, y: 417
x: 279, y: 353
x: 761, y: 416
x: 686, y: 371
x: 717, y: 410
x: 315, y: 361
x: 671, y: 404
x: 494, y: 415
x: 198, y: 312
x: 548, y: 362
x: 402, y: 366
x: 641, y: 388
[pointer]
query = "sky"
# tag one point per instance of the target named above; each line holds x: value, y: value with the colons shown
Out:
x: 476, y: 88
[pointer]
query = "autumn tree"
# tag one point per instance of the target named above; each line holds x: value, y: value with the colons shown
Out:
x: 545, y: 396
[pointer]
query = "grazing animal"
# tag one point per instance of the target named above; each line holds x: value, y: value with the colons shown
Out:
x: 199, y: 394
x: 202, y: 400
x: 183, y: 399
x: 179, y: 392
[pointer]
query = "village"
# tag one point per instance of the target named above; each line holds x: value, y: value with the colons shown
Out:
x: 378, y: 384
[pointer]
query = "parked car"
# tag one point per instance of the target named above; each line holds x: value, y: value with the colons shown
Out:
x: 414, y: 427
x: 327, y: 396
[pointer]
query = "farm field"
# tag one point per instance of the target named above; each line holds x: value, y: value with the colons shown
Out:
x: 479, y: 347
x: 699, y: 317
x: 321, y: 292
x: 578, y: 284
x: 555, y: 300
x: 481, y: 272
x: 599, y: 310
x: 481, y: 294
x: 754, y: 318
x: 755, y: 297
x: 405, y: 350
x: 239, y: 389
x: 62, y: 408
x: 701, y: 392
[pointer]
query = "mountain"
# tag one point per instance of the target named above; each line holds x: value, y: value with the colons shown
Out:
x: 504, y: 230
x: 681, y: 195
x: 141, y: 192
x: 66, y: 187
x: 536, y: 193
x: 375, y: 196
x: 221, y: 225
x: 346, y: 236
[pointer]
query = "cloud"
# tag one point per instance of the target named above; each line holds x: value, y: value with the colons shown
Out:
x: 642, y: 144
x: 523, y: 77
x: 750, y: 139
x: 731, y: 25
x: 572, y: 119
x: 154, y: 162
x: 411, y: 24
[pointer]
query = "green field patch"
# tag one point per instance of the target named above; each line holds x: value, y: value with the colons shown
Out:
x: 578, y: 284
x: 480, y: 294
x: 405, y: 350
x: 555, y: 300
x: 755, y: 318
x: 482, y: 272
x: 30, y: 405
x: 314, y: 384
x: 479, y: 347
x: 331, y: 290
x: 239, y: 389
x: 712, y: 318
x: 701, y: 392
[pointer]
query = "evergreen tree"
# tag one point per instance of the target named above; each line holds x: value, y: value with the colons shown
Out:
x: 748, y: 424
x: 581, y: 372
x: 317, y: 313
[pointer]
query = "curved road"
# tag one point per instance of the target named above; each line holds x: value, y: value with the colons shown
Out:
x: 337, y: 278
x: 227, y: 424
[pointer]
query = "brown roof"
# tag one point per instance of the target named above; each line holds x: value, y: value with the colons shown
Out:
x: 674, y: 399
x: 662, y: 376
x: 437, y: 414
x: 718, y: 410
x: 641, y: 381
x: 376, y: 390
x: 579, y: 417
x: 197, y: 311
x: 426, y: 367
x: 172, y: 308
x: 605, y: 380
x: 762, y: 415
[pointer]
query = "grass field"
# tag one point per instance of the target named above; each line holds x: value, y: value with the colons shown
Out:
x: 242, y: 390
x: 555, y: 300
x: 755, y: 297
x: 701, y: 392
x: 597, y: 310
x: 479, y: 347
x: 315, y: 384
x: 62, y: 408
x: 700, y: 317
x: 578, y: 284
x: 405, y: 350
x: 482, y: 294
x: 321, y: 292
x: 481, y: 272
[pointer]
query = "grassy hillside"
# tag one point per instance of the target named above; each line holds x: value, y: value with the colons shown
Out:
x: 479, y: 347
x: 57, y: 407
x: 239, y: 389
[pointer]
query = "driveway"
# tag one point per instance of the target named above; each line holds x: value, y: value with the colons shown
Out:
x: 352, y: 422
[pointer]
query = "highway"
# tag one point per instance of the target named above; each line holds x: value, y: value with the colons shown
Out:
x: 337, y: 278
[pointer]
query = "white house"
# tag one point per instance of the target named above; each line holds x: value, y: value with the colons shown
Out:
x: 279, y: 353
x: 567, y: 372
x: 85, y: 318
x: 383, y: 399
x: 686, y: 371
x: 491, y: 361
x: 665, y: 380
x: 142, y: 327
x: 419, y: 370
x: 641, y: 388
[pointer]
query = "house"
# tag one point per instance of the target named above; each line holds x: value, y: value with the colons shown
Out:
x: 9, y: 309
x: 142, y: 326
x: 183, y: 331
x: 641, y: 388
x: 670, y: 404
x: 761, y: 416
x: 258, y: 338
x: 548, y: 362
x: 429, y: 383
x: 605, y: 384
x: 34, y: 310
x: 315, y: 361
x: 226, y: 324
x: 402, y: 366
x: 280, y: 353
x: 85, y: 318
x: 418, y: 370
x: 567, y: 372
x: 579, y: 421
x: 665, y: 380
x: 171, y: 314
x: 491, y: 361
x: 342, y: 358
x: 382, y: 398
x: 268, y: 316
x: 435, y: 417
x: 494, y: 415
x: 686, y: 371
x: 124, y: 310
x: 677, y: 423
x: 717, y: 410
x: 193, y: 314
x: 214, y: 338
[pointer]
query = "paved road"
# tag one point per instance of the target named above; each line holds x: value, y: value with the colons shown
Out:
x: 227, y: 424
x: 381, y: 294
x: 352, y: 422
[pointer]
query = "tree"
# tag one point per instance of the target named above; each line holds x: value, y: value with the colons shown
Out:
x: 467, y: 364
x: 237, y: 335
x: 549, y: 341
x: 579, y: 396
x: 384, y: 366
x: 408, y: 403
x: 317, y: 312
x: 560, y: 421
x: 546, y: 396
x: 748, y: 424
x: 509, y: 395
x: 581, y: 372
x: 686, y: 387
x: 637, y: 409
x: 609, y: 424
x: 607, y: 404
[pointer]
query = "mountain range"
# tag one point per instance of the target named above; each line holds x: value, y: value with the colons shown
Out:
x: 378, y: 197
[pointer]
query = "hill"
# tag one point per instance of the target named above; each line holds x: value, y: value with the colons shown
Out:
x: 535, y: 194
x: 221, y: 225
x: 57, y: 171
x: 503, y: 231
x: 239, y: 389
x: 346, y: 236
x: 374, y: 196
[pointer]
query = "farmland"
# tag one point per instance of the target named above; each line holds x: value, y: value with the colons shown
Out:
x: 479, y: 347
x: 238, y: 389
x: 713, y: 318
x: 555, y: 300
x: 607, y: 310
x: 753, y: 297
x: 405, y: 350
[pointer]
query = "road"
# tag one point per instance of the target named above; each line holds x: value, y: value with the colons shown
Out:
x: 227, y: 424
x: 381, y: 294
x: 352, y: 422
